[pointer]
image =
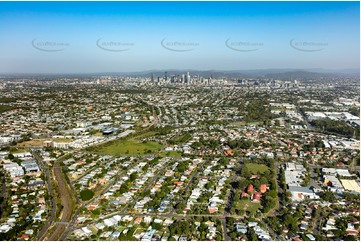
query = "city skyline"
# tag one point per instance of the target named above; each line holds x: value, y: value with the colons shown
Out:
x: 90, y: 37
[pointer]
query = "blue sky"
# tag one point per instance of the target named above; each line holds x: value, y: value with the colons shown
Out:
x: 260, y: 35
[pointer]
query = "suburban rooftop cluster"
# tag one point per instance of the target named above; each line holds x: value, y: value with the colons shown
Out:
x: 179, y: 157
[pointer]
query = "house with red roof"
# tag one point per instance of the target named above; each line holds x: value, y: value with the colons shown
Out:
x: 263, y: 188
x: 256, y: 197
x: 249, y: 188
x: 25, y: 237
x: 244, y: 194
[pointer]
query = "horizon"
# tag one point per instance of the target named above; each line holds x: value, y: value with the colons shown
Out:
x: 267, y: 70
x: 128, y: 37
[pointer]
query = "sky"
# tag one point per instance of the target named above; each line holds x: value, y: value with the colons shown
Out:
x: 89, y: 37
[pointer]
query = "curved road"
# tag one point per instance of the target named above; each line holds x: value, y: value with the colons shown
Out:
x: 66, y: 202
x: 50, y: 220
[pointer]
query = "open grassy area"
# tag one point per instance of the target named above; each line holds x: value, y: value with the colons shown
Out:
x: 180, y: 139
x: 5, y: 108
x: 34, y: 142
x: 143, y: 135
x: 39, y: 142
x: 131, y: 147
x: 171, y: 153
x: 243, y: 123
x: 254, y: 168
x: 248, y: 205
x: 18, y: 151
x: 64, y: 140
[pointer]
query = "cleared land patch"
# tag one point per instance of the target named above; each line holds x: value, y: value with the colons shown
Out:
x: 131, y: 147
x: 39, y: 142
x: 255, y: 168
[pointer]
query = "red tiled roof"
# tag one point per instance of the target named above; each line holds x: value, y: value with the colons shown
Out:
x: 244, y: 194
x: 263, y: 188
x: 250, y: 188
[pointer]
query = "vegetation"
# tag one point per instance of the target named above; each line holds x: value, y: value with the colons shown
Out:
x: 180, y: 139
x: 251, y: 168
x: 171, y: 153
x: 355, y: 111
x: 86, y: 194
x: 240, y: 144
x: 258, y: 110
x: 5, y: 108
x: 131, y: 147
x: 338, y: 127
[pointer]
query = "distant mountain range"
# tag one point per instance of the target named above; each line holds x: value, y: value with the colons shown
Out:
x: 256, y: 73
x: 282, y: 74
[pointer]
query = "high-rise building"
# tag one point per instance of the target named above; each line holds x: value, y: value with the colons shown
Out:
x: 295, y: 83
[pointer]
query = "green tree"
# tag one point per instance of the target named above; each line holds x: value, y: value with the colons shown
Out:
x: 86, y: 194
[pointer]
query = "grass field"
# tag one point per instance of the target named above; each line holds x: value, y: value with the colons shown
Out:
x: 238, y: 123
x: 34, y: 142
x: 254, y: 168
x: 171, y: 153
x: 181, y: 139
x: 247, y: 205
x: 19, y: 151
x: 61, y: 140
x: 243, y: 123
x: 5, y: 108
x: 144, y: 135
x: 39, y: 142
x: 131, y: 147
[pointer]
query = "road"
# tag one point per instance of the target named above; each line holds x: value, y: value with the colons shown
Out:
x: 70, y: 226
x: 50, y: 220
x: 150, y: 183
x: 123, y: 211
x: 66, y: 202
x: 3, y: 194
x: 304, y: 117
x: 157, y: 215
x: 273, y: 234
x: 225, y: 230
x: 170, y: 214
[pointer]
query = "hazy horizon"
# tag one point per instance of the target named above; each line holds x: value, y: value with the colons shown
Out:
x: 105, y: 37
x: 316, y: 70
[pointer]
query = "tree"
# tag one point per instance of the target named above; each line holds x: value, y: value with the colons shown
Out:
x: 272, y: 193
x: 328, y: 196
x: 182, y: 167
x: 133, y: 176
x: 252, y: 235
x: 86, y: 194
x: 245, y: 172
x: 156, y: 226
x: 123, y: 188
x: 233, y: 236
